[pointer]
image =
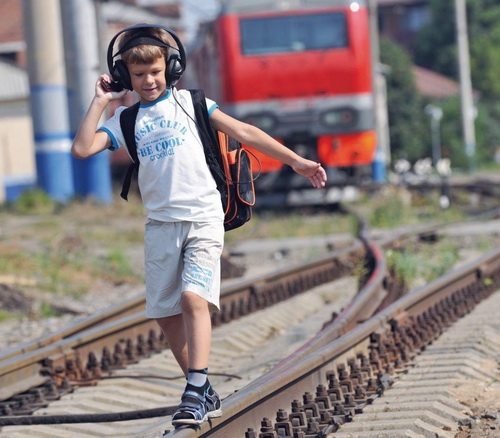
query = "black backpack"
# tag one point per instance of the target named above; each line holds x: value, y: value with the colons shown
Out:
x: 228, y: 161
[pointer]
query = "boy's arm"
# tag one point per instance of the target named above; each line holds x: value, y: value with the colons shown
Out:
x: 87, y: 141
x: 258, y: 139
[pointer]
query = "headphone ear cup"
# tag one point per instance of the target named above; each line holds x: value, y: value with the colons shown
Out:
x: 174, y: 69
x: 121, y: 75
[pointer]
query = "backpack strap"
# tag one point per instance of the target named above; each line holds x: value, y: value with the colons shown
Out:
x: 207, y: 136
x: 127, y: 123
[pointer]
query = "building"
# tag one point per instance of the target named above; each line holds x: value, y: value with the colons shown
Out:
x: 17, y: 146
x: 400, y: 20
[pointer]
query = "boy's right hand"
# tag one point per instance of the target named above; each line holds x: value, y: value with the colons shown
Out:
x: 105, y: 87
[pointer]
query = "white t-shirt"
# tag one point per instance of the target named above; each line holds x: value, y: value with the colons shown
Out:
x: 174, y: 179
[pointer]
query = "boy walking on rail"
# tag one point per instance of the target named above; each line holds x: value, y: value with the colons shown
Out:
x: 184, y: 231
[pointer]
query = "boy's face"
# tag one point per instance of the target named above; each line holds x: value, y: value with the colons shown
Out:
x: 148, y: 80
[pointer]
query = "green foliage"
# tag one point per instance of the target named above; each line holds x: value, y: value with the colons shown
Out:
x: 484, y: 41
x: 46, y: 310
x: 292, y: 224
x: 405, y: 106
x: 404, y: 265
x: 34, y: 202
x: 452, y: 145
x: 388, y: 215
x: 118, y: 262
x: 390, y: 209
x: 487, y: 131
x: 436, y: 49
x: 435, y: 46
x: 424, y: 265
x: 4, y: 315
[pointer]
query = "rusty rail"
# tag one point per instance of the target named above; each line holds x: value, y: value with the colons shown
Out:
x: 109, y: 341
x: 97, y: 343
x: 327, y: 386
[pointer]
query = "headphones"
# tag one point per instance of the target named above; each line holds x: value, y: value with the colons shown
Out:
x: 176, y: 62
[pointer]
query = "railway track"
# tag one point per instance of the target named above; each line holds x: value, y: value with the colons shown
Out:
x: 72, y: 352
x: 81, y: 355
x: 47, y: 368
x: 461, y: 364
x: 315, y: 391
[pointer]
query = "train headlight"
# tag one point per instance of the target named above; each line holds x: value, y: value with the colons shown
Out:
x: 264, y: 121
x: 338, y: 117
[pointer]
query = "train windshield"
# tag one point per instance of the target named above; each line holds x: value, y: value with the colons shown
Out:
x: 293, y: 33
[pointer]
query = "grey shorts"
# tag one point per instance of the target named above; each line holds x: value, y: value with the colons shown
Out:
x: 179, y: 257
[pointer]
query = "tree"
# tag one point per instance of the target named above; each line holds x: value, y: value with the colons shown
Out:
x: 484, y: 39
x: 435, y: 44
x: 408, y: 129
x: 436, y: 49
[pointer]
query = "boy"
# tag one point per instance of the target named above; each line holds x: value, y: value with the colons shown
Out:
x: 184, y: 231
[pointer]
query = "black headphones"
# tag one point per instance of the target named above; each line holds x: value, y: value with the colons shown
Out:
x: 176, y: 62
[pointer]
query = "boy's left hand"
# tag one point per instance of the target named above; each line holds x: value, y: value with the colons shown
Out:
x: 311, y: 170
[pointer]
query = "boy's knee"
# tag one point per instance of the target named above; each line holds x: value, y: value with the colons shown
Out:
x: 169, y: 321
x: 191, y: 302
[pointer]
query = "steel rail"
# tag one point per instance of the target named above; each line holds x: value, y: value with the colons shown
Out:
x: 47, y: 361
x: 78, y: 351
x: 36, y: 366
x: 411, y: 321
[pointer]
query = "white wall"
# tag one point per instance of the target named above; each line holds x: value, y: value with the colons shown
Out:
x: 17, y: 154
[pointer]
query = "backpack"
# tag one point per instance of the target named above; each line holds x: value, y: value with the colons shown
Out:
x: 228, y: 161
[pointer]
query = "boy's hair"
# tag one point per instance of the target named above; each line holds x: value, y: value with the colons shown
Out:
x: 146, y: 53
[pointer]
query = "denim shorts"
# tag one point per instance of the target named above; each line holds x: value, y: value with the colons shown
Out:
x: 180, y: 257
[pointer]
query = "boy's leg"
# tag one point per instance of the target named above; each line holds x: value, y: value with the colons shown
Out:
x: 163, y: 268
x: 199, y: 400
x: 196, y: 323
x: 201, y: 286
x: 198, y: 329
x: 174, y: 332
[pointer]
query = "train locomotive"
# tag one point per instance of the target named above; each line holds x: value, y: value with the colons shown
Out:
x: 301, y: 71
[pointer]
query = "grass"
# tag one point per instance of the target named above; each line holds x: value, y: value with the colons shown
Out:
x: 393, y: 207
x: 302, y: 223
x: 66, y: 249
x: 417, y: 266
x: 4, y: 315
x: 35, y: 202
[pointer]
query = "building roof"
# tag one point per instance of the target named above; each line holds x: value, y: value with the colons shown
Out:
x: 117, y: 11
x: 432, y: 84
x: 11, y: 21
x: 14, y: 84
x: 382, y: 3
x: 124, y: 12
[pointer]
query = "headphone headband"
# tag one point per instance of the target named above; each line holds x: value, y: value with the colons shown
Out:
x: 144, y: 38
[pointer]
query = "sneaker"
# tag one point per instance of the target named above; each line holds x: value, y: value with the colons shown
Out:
x: 213, y: 404
x: 192, y: 409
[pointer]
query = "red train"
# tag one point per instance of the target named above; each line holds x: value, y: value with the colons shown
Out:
x: 301, y: 71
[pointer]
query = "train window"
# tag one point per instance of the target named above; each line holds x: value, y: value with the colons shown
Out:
x: 293, y: 33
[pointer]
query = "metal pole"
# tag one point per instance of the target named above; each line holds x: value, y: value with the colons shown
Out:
x: 93, y: 175
x: 382, y: 153
x: 435, y: 114
x: 468, y: 109
x: 48, y: 97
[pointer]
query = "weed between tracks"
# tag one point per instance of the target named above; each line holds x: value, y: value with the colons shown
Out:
x: 416, y: 266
